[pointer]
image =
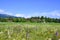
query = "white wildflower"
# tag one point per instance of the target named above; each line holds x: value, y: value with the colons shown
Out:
x: 59, y: 39
x: 1, y: 32
x: 49, y: 39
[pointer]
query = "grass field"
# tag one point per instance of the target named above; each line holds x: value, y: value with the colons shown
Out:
x: 29, y: 31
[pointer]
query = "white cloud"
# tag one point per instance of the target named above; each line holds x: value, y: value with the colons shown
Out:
x: 5, y: 12
x: 22, y: 15
x: 1, y: 11
x: 53, y: 14
x: 19, y: 15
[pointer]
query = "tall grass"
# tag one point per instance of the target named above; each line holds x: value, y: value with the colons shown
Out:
x: 29, y: 31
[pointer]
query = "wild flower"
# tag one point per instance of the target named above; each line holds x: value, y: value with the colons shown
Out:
x: 56, y: 33
x: 1, y: 32
x: 49, y: 39
x: 14, y: 39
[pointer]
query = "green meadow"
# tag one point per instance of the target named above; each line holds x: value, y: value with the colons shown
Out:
x: 29, y: 31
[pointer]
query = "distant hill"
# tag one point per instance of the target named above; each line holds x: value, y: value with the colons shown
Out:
x: 5, y: 16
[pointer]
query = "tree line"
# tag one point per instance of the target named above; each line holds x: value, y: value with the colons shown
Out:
x: 31, y: 19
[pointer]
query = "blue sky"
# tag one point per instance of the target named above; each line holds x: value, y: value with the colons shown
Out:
x: 28, y: 8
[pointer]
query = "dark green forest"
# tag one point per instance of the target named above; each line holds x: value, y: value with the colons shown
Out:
x: 31, y: 19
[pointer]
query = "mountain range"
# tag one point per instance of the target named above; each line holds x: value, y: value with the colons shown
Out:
x: 6, y: 16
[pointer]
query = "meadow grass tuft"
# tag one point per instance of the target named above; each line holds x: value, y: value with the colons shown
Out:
x: 29, y: 31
